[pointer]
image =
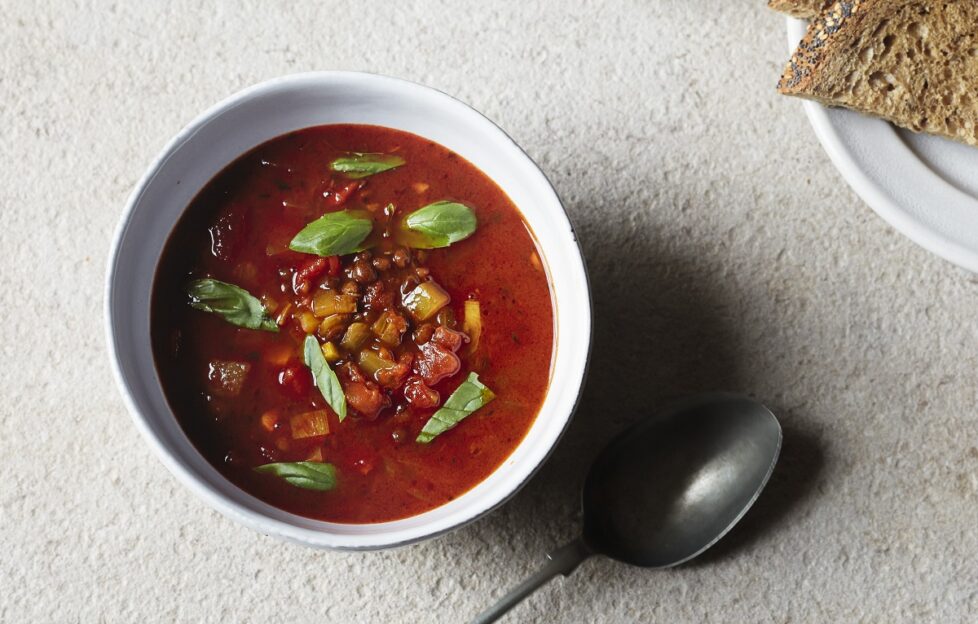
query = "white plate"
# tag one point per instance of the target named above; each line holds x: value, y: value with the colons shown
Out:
x: 924, y: 186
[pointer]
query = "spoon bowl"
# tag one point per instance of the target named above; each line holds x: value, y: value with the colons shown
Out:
x: 668, y: 488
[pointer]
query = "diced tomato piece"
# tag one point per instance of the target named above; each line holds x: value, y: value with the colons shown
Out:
x: 449, y: 338
x: 378, y: 297
x: 436, y: 362
x: 363, y: 395
x: 393, y: 376
x: 295, y: 381
x: 334, y: 265
x: 339, y: 196
x: 310, y: 270
x: 420, y: 395
x: 366, y: 398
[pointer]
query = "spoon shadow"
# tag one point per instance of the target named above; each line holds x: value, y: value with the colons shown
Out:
x: 663, y: 329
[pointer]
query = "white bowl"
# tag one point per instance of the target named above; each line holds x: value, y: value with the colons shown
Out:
x: 270, y: 109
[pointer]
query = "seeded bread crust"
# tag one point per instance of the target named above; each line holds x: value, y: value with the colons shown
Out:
x: 911, y: 62
x: 798, y: 75
x: 805, y: 9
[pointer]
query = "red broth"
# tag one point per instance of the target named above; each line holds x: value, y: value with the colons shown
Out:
x: 246, y: 398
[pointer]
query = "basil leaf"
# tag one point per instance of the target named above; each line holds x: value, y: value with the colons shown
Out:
x: 467, y: 398
x: 334, y: 234
x: 441, y: 224
x: 357, y: 165
x: 236, y: 305
x: 305, y: 475
x: 326, y: 380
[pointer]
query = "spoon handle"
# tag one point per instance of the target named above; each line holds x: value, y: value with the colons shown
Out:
x: 564, y: 560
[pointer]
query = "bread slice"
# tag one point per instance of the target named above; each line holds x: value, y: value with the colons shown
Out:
x: 912, y: 62
x: 799, y: 8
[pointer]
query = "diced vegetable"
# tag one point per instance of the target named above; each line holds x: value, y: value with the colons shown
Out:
x: 332, y: 325
x: 226, y: 378
x: 326, y: 302
x: 309, y: 271
x: 356, y: 334
x: 316, y: 455
x: 330, y: 352
x: 308, y: 321
x: 326, y: 380
x: 421, y: 395
x: 436, y: 361
x: 472, y: 323
x: 426, y: 300
x: 446, y: 317
x: 535, y: 261
x: 269, y: 303
x: 467, y: 398
x: 389, y: 327
x: 345, y: 192
x: 269, y: 420
x: 294, y: 381
x: 309, y: 424
x: 236, y: 305
x: 420, y: 187
x: 306, y: 475
x: 283, y: 315
x: 371, y: 362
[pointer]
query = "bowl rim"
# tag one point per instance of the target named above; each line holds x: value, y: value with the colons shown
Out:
x: 254, y: 519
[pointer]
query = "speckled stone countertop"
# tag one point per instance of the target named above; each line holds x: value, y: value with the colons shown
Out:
x: 721, y: 242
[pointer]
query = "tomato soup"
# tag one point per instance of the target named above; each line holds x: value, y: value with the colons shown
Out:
x: 353, y: 323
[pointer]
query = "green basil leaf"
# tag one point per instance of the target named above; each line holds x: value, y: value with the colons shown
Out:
x: 357, y: 165
x: 440, y: 224
x: 326, y: 380
x: 236, y: 305
x: 305, y: 475
x: 467, y: 398
x: 334, y: 234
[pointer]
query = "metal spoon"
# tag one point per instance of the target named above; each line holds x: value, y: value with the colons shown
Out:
x: 667, y: 488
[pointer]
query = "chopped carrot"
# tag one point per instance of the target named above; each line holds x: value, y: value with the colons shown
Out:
x: 420, y: 187
x: 283, y: 315
x: 270, y: 304
x: 269, y: 420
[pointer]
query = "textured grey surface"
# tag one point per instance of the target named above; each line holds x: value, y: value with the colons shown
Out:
x: 725, y: 251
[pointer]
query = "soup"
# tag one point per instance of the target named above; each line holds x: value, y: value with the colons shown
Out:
x: 353, y: 323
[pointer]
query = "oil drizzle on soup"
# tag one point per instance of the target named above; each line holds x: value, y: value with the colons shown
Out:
x: 434, y: 322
